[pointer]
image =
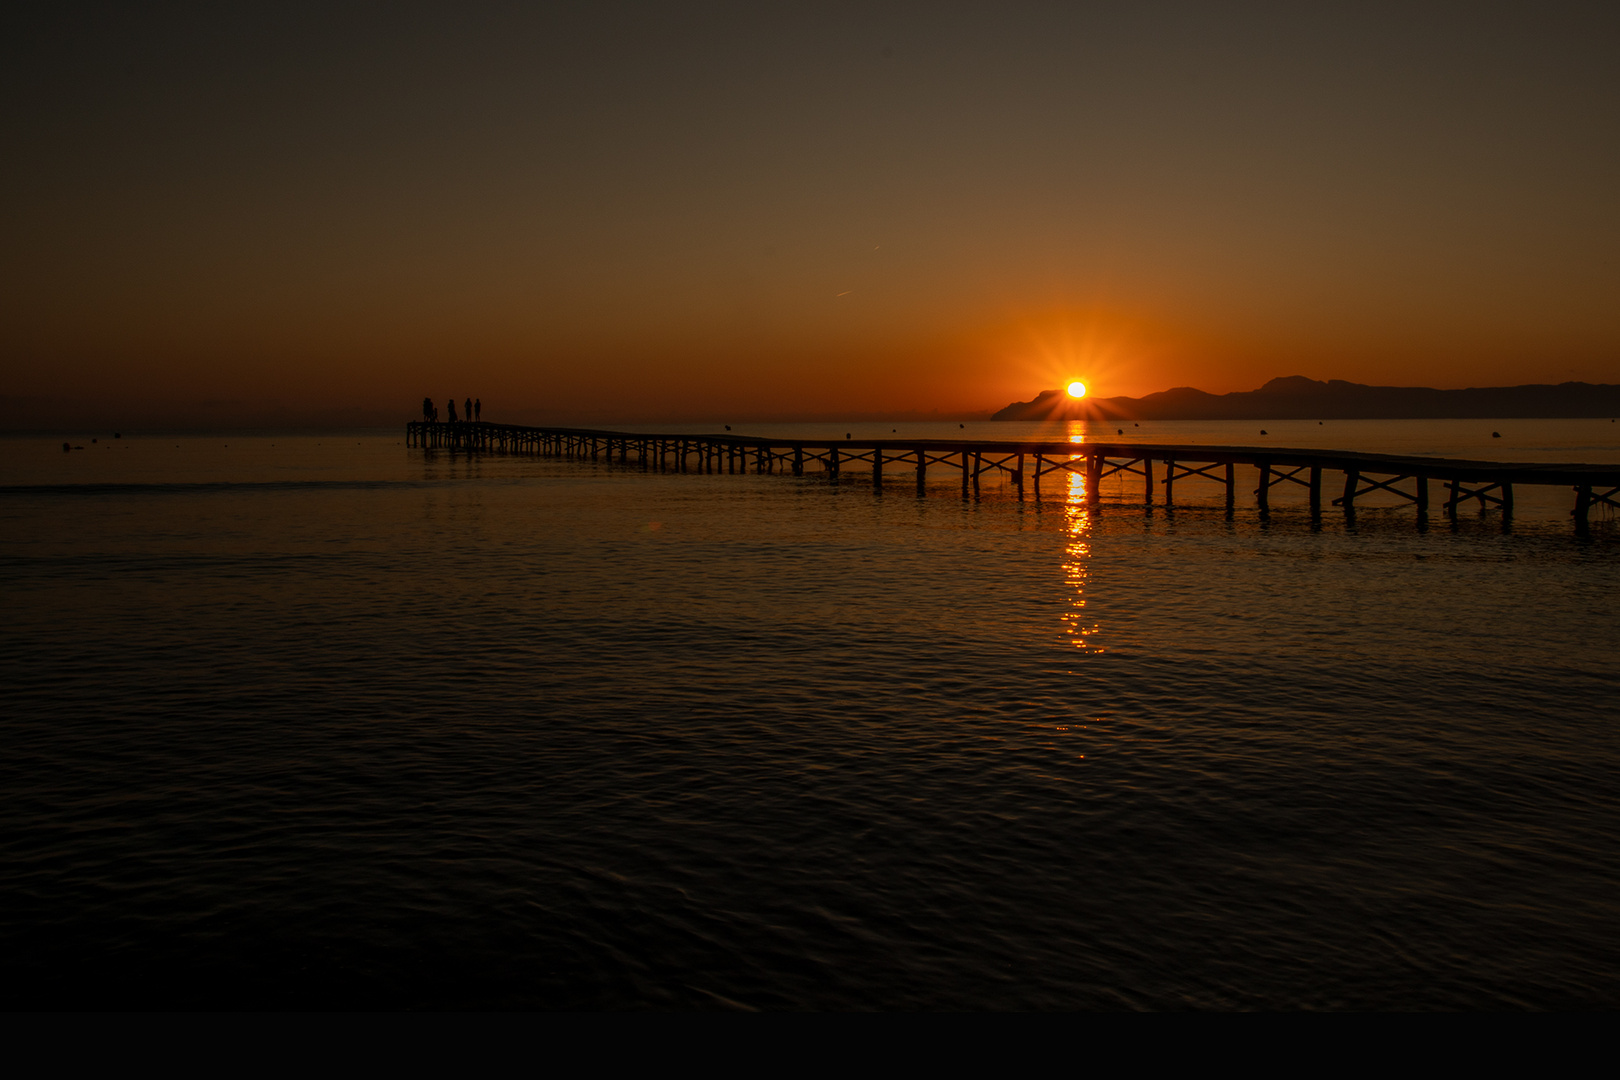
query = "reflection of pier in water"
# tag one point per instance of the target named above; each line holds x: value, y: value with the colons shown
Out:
x: 1488, y: 483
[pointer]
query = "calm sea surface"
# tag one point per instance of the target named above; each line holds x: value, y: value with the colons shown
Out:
x: 321, y: 721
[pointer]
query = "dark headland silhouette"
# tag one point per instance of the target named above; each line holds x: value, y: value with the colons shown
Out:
x: 1295, y: 397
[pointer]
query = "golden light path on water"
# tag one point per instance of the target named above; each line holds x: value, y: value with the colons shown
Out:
x: 1077, y: 561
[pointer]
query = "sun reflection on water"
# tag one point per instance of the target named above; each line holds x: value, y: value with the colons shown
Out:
x: 1081, y: 630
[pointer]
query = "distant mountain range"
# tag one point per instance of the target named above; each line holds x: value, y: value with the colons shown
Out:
x: 1295, y: 397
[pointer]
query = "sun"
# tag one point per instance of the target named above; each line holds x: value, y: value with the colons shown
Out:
x: 1077, y: 389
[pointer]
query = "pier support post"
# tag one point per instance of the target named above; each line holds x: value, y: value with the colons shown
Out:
x: 922, y: 470
x: 1263, y: 492
x: 1094, y: 464
x: 1352, y: 479
x: 1231, y: 487
x: 798, y: 460
x: 1169, y: 482
x: 1018, y: 476
x: 1583, y: 504
x: 1316, y: 491
x: 877, y: 468
x: 966, y: 466
x: 1422, y: 483
x: 1147, y: 481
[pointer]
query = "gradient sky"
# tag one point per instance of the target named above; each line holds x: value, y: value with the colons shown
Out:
x: 703, y: 211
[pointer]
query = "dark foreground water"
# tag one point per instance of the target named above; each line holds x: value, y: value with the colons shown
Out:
x: 329, y: 723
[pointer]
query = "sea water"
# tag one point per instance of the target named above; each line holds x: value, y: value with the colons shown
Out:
x: 323, y: 721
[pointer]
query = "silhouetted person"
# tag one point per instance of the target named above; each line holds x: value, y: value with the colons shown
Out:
x: 427, y: 408
x: 478, y: 408
x: 467, y: 412
x: 452, y: 410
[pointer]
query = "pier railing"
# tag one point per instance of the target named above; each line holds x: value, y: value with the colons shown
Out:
x: 1488, y: 483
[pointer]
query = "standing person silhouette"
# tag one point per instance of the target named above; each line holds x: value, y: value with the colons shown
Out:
x: 467, y: 412
x: 427, y: 408
x: 478, y: 408
x: 452, y: 410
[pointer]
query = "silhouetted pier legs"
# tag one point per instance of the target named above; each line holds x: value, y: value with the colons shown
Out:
x: 1502, y: 498
x: 1491, y: 485
x: 1175, y: 470
x: 1583, y: 503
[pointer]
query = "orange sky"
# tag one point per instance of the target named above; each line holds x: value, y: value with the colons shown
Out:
x: 282, y: 214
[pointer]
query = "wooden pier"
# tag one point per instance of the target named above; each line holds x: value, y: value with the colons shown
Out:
x: 1489, y: 484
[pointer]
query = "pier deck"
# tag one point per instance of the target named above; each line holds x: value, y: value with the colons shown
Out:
x: 1488, y: 483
